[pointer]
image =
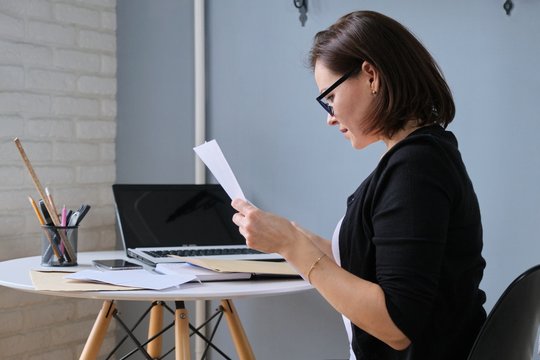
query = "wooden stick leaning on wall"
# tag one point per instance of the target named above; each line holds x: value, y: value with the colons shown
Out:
x: 50, y: 207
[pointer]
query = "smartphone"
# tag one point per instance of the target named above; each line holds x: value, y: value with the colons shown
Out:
x: 116, y: 264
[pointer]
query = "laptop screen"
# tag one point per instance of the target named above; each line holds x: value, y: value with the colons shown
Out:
x: 175, y: 215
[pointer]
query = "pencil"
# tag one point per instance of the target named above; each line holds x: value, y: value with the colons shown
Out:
x: 63, y: 218
x: 38, y: 213
x: 42, y: 222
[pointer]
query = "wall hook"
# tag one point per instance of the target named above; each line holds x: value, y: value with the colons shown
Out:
x: 508, y: 6
x: 302, y: 6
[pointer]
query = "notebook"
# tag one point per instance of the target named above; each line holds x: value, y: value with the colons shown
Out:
x: 157, y: 220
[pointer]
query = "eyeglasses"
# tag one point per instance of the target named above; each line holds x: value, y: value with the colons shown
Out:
x: 321, y: 99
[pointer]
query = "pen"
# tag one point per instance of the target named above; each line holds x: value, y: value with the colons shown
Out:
x: 68, y: 216
x: 64, y: 216
x: 76, y: 218
x: 51, y: 241
x: 45, y: 212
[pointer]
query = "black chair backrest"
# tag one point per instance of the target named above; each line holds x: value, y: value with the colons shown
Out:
x: 510, y: 330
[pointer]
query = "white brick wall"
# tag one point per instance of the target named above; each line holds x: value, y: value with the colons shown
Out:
x: 58, y: 95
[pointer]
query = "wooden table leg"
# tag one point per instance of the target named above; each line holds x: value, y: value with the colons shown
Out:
x: 95, y: 339
x: 181, y: 332
x: 239, y: 337
x: 155, y: 326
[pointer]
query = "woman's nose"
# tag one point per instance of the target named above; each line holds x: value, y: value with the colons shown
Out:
x: 331, y: 120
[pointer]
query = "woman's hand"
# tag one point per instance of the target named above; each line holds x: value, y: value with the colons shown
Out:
x: 265, y: 231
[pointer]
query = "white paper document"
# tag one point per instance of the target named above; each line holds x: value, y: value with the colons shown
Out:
x: 133, y: 278
x: 212, y: 156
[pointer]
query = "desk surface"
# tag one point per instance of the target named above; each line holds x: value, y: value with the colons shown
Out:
x: 15, y: 274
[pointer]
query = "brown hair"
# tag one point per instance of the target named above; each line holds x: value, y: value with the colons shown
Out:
x: 411, y: 84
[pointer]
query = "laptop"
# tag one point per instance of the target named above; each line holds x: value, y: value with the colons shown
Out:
x: 157, y: 220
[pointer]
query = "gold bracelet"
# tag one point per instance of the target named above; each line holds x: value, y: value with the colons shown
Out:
x: 313, y: 267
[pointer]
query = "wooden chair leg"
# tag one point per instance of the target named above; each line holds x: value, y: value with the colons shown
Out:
x: 97, y: 335
x: 155, y: 325
x: 181, y: 332
x: 238, y: 335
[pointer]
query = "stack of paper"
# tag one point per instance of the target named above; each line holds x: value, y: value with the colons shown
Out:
x: 227, y: 267
x: 202, y: 274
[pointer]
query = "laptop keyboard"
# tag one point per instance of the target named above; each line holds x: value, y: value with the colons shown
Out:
x: 202, y: 252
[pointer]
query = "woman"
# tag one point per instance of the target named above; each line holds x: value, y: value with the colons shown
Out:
x: 405, y: 262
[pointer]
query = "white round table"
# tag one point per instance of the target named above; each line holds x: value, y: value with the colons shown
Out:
x: 15, y: 274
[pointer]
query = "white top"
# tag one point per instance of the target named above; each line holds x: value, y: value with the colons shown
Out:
x: 335, y: 253
x: 16, y: 274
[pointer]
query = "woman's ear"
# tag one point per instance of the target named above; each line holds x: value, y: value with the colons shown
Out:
x: 372, y: 74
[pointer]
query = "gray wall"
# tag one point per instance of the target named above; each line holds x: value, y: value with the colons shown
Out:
x: 261, y: 109
x: 155, y: 103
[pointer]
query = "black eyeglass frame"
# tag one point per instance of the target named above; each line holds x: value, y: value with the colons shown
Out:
x: 320, y: 99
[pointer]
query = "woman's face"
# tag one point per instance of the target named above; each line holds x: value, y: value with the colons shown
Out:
x: 351, y: 101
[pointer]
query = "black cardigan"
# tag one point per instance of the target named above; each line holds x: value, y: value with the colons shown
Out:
x: 413, y: 227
